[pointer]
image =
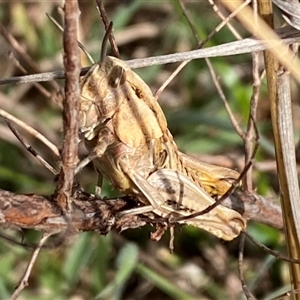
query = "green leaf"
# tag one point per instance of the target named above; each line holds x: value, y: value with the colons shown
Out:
x: 126, y: 262
x: 164, y: 284
x: 77, y: 258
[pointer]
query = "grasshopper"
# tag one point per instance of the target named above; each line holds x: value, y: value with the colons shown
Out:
x: 126, y: 134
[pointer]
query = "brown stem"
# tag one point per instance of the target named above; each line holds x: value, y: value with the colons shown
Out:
x: 93, y: 214
x: 69, y: 154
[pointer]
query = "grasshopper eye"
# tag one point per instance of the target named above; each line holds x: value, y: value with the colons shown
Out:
x: 116, y: 76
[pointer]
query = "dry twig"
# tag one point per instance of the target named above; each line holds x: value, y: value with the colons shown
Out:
x: 24, y: 281
x: 29, y: 147
x: 69, y: 154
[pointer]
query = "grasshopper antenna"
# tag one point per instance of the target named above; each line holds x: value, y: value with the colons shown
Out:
x: 103, y: 15
x: 104, y: 42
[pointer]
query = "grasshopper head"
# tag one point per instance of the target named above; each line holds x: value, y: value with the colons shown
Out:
x: 101, y: 95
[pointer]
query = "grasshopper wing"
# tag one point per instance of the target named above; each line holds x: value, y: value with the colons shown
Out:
x: 184, y: 197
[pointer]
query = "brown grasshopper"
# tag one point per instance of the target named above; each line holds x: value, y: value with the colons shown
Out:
x: 125, y: 130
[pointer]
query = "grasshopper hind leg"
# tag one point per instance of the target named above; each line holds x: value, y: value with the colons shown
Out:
x: 136, y: 211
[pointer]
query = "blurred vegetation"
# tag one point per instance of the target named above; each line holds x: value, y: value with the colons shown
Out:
x: 128, y: 265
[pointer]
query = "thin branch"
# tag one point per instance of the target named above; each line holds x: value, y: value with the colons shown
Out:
x: 256, y: 208
x: 265, y: 32
x: 18, y: 48
x: 22, y: 52
x: 222, y: 17
x: 219, y: 89
x: 247, y: 293
x: 218, y: 201
x: 225, y: 22
x: 281, y: 115
x: 80, y: 45
x: 31, y: 130
x: 270, y: 251
x: 29, y: 148
x: 252, y: 136
x: 170, y: 78
x: 200, y: 43
x: 209, y: 65
x: 24, y: 281
x: 38, y: 86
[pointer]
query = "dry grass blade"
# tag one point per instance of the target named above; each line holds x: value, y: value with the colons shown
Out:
x: 220, y: 14
x: 23, y: 70
x: 228, y: 109
x: 281, y: 113
x: 287, y: 36
x: 290, y: 11
x: 269, y: 36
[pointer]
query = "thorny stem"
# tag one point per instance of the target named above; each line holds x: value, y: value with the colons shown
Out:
x: 93, y: 214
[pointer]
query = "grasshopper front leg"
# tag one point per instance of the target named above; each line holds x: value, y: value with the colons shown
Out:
x: 98, y: 145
